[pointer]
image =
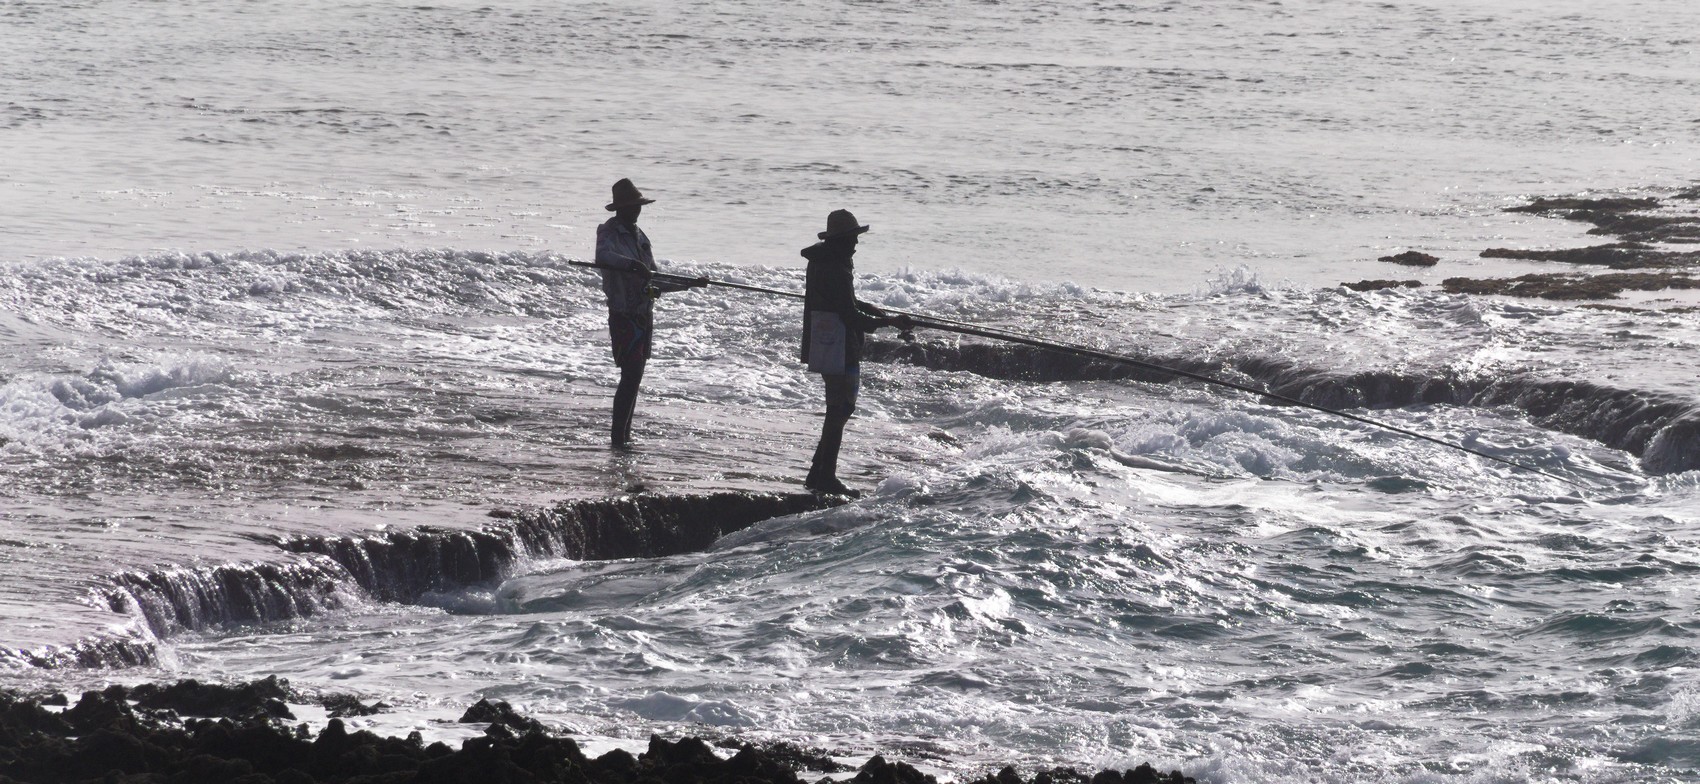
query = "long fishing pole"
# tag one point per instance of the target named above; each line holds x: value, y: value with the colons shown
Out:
x: 686, y: 279
x: 964, y: 328
x: 706, y: 281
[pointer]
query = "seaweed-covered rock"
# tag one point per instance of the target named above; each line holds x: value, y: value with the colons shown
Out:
x: 1617, y: 255
x: 1377, y: 285
x: 1411, y: 258
x: 1565, y: 286
x: 1541, y: 205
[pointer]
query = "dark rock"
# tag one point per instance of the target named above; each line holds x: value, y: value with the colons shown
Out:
x: 103, y: 739
x: 1061, y: 776
x: 1567, y: 286
x: 500, y: 712
x: 100, y: 710
x: 1377, y: 285
x: 500, y: 731
x: 1641, y: 228
x: 292, y: 776
x: 1568, y: 204
x: 750, y: 764
x: 1412, y: 258
x: 550, y: 757
x: 878, y: 771
x: 616, y: 765
x: 332, y: 743
x: 25, y: 717
x: 207, y: 769
x: 794, y: 756
x: 1620, y: 255
x: 1145, y: 774
x: 113, y: 750
x: 1624, y: 219
x: 689, y: 751
x: 255, y: 700
x: 341, y: 705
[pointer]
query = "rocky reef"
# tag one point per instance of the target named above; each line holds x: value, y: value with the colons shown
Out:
x: 194, y: 733
x: 1411, y: 258
x: 1572, y: 285
x: 1649, y: 252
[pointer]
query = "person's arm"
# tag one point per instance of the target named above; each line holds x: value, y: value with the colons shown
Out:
x: 872, y: 317
x: 841, y: 299
x: 839, y: 295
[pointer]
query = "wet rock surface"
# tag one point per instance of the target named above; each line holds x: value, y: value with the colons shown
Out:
x: 340, y: 705
x: 1569, y: 286
x: 405, y: 564
x: 1378, y: 285
x: 1411, y: 258
x: 500, y: 713
x: 1617, y: 256
x: 135, y: 736
x: 1650, y: 253
x: 1621, y: 217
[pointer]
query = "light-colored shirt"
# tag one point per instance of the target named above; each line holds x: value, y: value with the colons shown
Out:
x: 625, y: 247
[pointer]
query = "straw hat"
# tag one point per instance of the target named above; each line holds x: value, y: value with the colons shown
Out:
x: 627, y: 195
x: 840, y: 223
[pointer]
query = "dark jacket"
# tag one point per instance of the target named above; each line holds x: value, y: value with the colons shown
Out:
x: 830, y: 287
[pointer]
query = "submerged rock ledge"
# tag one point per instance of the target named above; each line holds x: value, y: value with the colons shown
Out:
x: 327, y: 573
x: 1662, y: 430
x: 242, y: 733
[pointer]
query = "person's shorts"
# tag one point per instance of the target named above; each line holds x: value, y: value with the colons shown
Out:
x: 631, y: 335
x: 841, y: 388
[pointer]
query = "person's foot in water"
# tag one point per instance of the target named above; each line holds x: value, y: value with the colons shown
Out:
x: 831, y: 486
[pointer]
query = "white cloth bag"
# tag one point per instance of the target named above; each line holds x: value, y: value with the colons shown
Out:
x: 826, y: 342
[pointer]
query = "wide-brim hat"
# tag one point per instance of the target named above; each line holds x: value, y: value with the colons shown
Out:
x: 841, y: 223
x: 627, y: 195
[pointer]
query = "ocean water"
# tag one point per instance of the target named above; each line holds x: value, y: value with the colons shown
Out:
x: 299, y: 274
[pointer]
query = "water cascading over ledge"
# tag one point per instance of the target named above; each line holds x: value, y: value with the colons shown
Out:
x: 401, y: 566
x: 334, y: 572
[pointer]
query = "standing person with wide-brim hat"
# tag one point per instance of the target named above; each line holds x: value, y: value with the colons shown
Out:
x: 627, y: 264
x: 834, y: 323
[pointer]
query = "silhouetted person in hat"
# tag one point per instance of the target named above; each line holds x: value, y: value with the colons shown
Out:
x: 834, y: 322
x: 627, y: 265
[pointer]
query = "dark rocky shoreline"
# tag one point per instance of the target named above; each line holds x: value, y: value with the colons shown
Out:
x: 194, y: 733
